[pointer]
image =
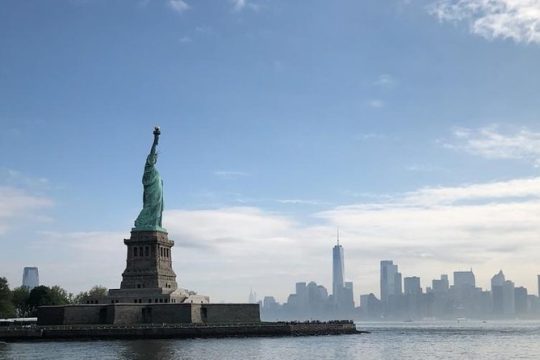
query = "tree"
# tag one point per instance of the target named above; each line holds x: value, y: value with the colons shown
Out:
x: 5, y: 293
x: 7, y: 309
x: 19, y: 299
x: 96, y: 292
x: 43, y: 295
x: 59, y: 296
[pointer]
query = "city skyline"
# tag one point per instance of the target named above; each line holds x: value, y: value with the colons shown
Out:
x: 404, y: 298
x: 412, y: 126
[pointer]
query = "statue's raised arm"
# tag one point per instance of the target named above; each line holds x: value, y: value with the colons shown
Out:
x: 149, y: 218
x: 156, y: 133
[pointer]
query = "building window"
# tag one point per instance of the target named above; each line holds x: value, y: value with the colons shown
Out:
x: 146, y: 251
x: 135, y: 251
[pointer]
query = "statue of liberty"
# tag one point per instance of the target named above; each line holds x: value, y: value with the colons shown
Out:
x: 149, y: 218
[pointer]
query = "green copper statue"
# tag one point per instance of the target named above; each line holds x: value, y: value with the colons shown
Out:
x: 149, y: 218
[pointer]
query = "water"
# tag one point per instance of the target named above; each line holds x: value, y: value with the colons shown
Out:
x: 419, y: 340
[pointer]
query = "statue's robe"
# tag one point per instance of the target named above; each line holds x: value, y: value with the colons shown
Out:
x: 150, y: 215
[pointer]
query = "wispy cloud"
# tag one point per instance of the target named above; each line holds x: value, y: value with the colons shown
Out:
x: 385, y: 81
x: 20, y: 205
x: 185, y: 40
x: 425, y: 168
x: 493, y: 142
x: 298, y: 202
x: 95, y: 253
x: 178, y: 5
x: 230, y: 174
x: 18, y: 179
x: 239, y: 5
x: 518, y: 20
x: 373, y: 136
x: 511, y: 190
x: 376, y: 103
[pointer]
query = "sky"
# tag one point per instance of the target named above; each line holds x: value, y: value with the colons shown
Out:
x: 412, y: 126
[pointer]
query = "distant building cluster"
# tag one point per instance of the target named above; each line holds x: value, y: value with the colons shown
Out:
x: 312, y: 301
x: 462, y: 299
x: 404, y: 298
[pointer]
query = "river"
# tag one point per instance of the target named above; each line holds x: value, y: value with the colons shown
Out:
x: 417, y: 340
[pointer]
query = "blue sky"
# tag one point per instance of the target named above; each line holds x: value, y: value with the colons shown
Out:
x: 412, y: 125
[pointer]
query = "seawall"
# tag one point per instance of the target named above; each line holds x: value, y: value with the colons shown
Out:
x: 176, y: 331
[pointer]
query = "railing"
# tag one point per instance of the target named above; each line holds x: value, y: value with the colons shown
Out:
x: 171, y: 326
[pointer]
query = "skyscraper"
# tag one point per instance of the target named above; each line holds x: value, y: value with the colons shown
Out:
x: 412, y: 285
x: 509, y: 298
x: 497, y: 290
x: 337, y: 272
x: 503, y: 293
x: 30, y: 277
x: 347, y: 300
x: 464, y: 279
x: 520, y: 298
x: 390, y: 280
x: 440, y: 286
x: 252, y: 297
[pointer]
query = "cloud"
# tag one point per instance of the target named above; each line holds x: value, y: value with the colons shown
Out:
x: 425, y: 168
x: 447, y: 228
x: 185, y: 39
x: 373, y: 136
x: 428, y: 231
x: 230, y: 174
x: 18, y: 179
x: 178, y: 5
x: 518, y: 20
x: 224, y: 251
x: 20, y: 205
x: 239, y: 5
x: 502, y: 190
x: 385, y: 81
x: 298, y: 202
x: 99, y: 255
x: 492, y: 142
x: 376, y: 103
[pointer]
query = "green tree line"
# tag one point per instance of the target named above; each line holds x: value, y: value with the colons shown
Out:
x: 22, y: 302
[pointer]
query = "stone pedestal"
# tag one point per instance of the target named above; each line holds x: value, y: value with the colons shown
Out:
x: 149, y: 277
x: 149, y: 261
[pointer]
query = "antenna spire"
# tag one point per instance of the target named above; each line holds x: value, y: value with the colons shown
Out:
x: 338, y: 236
